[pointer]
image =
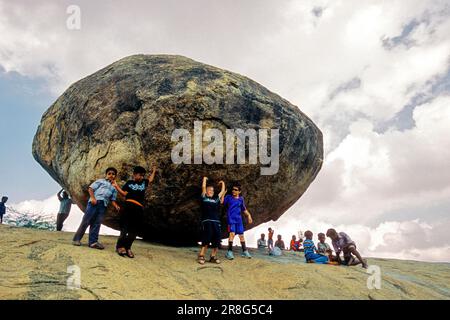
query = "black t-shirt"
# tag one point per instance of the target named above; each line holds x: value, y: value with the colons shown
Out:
x: 210, y: 208
x: 136, y: 190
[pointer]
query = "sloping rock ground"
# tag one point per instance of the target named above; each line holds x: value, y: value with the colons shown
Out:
x: 33, y: 265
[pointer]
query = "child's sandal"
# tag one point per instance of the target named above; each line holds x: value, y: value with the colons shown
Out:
x: 130, y: 254
x: 214, y: 260
x: 121, y: 251
x: 201, y: 259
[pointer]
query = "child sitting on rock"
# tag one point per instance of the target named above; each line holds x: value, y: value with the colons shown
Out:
x: 324, y: 249
x: 311, y: 255
x: 211, y: 233
x: 342, y: 243
x: 294, y: 245
x: 133, y: 211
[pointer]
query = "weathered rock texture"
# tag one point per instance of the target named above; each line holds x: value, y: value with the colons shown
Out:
x: 161, y: 272
x: 124, y: 115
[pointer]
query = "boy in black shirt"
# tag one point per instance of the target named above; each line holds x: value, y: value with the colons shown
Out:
x: 133, y: 209
x: 210, y: 220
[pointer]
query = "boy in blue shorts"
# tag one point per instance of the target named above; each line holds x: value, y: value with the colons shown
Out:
x: 235, y: 207
x: 310, y: 250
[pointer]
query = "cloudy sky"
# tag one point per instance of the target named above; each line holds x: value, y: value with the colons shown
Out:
x: 373, y: 75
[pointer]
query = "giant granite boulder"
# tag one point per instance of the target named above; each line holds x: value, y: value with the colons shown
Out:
x: 125, y: 115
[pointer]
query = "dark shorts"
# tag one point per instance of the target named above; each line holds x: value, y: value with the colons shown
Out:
x: 211, y: 234
x: 236, y: 228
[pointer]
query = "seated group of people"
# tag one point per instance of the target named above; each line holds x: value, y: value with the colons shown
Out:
x: 322, y: 254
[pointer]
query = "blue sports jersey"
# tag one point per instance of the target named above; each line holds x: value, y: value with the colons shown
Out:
x: 235, y: 206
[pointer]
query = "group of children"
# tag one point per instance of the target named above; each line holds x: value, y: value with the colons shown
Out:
x: 211, y: 225
x: 323, y: 254
x: 104, y: 191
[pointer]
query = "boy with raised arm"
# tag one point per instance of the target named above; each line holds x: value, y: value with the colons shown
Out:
x: 133, y: 209
x: 211, y: 233
x: 64, y: 208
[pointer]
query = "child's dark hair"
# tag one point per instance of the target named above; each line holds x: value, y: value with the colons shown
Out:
x: 308, y: 234
x: 111, y: 169
x: 139, y: 169
x: 4, y: 198
x: 237, y: 185
x: 321, y: 235
x: 331, y: 232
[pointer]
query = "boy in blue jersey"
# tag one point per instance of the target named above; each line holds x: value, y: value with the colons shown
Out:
x: 211, y: 233
x: 235, y: 207
x: 311, y: 255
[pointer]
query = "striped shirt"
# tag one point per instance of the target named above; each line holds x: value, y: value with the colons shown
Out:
x: 309, y: 247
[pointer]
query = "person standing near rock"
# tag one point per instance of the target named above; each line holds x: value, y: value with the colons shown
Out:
x: 210, y: 220
x: 3, y: 208
x: 65, y: 204
x: 270, y: 241
x: 235, y: 207
x: 133, y: 210
x: 101, y: 192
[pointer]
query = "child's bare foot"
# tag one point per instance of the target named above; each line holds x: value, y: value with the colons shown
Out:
x: 201, y: 259
x: 364, y: 264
